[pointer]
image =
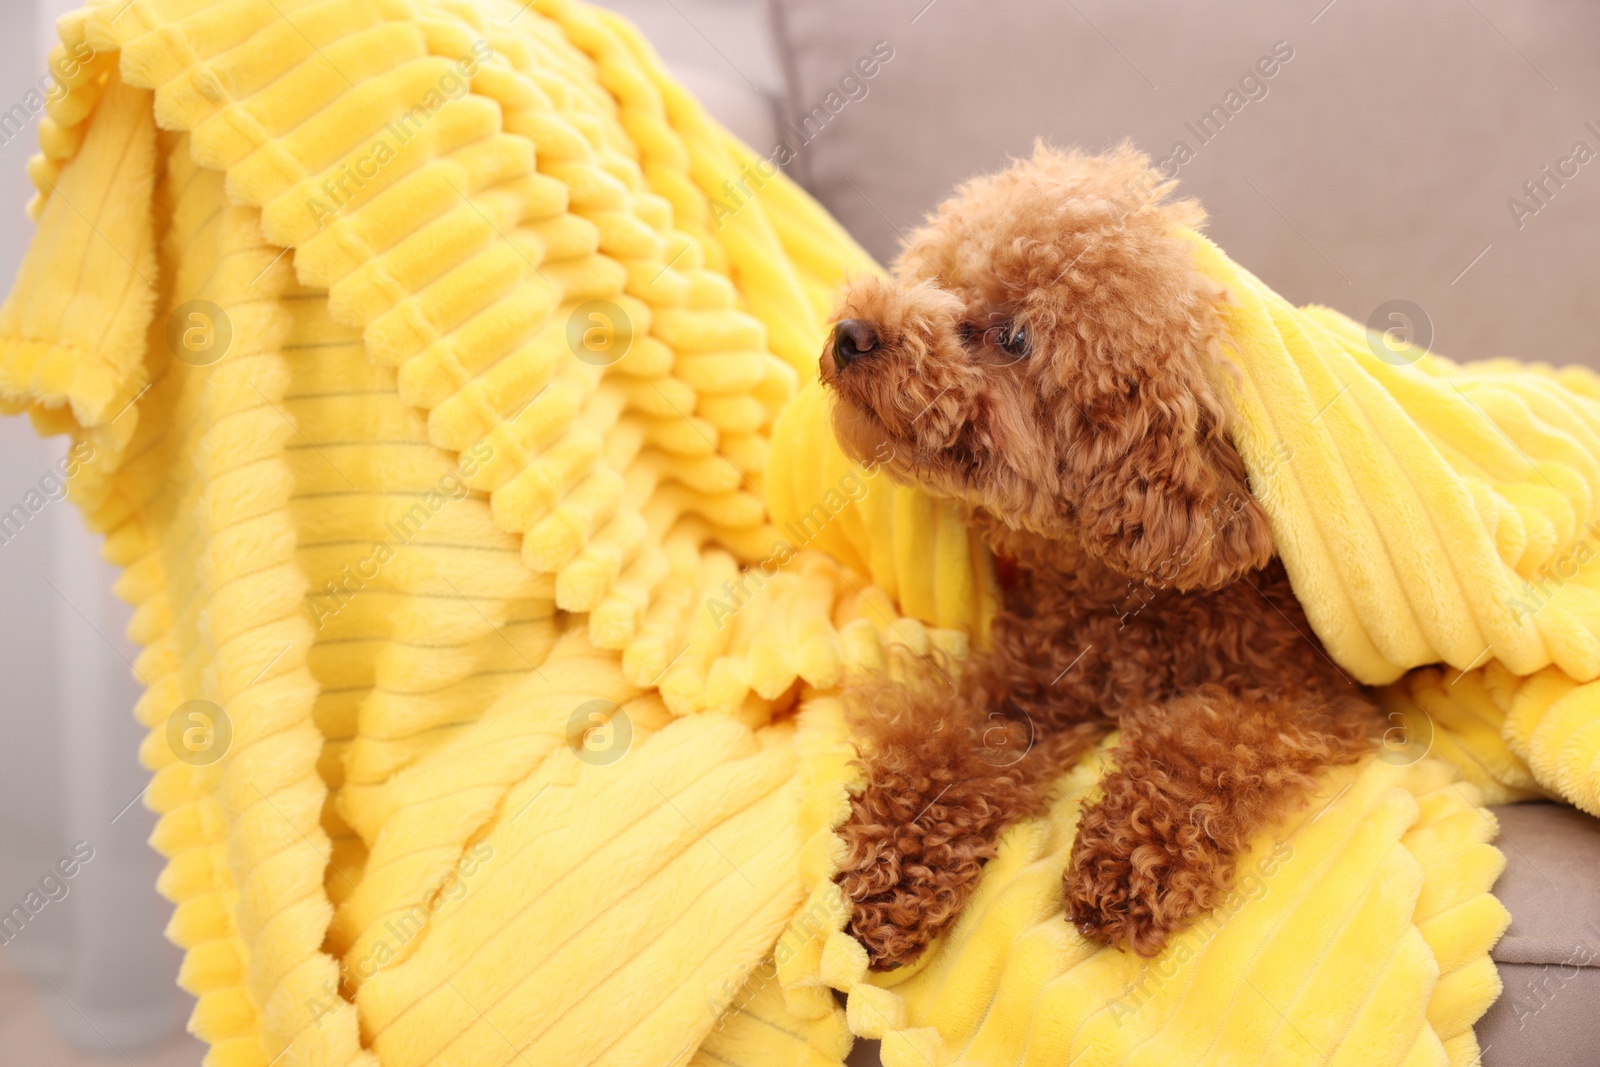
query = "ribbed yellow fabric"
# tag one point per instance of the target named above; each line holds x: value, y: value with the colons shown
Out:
x: 1357, y: 934
x: 402, y: 380
x: 1430, y: 512
x: 1417, y: 498
x: 759, y: 1031
x: 403, y: 535
x: 916, y: 548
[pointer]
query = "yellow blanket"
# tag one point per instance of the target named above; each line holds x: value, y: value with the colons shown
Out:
x: 435, y: 420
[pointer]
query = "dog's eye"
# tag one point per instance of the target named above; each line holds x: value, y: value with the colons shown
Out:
x: 1012, y: 339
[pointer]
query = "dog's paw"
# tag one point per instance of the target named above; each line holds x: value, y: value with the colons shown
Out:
x: 896, y: 927
x: 942, y: 778
x: 1135, y: 890
x: 915, y: 846
x: 1111, y: 906
x: 908, y: 872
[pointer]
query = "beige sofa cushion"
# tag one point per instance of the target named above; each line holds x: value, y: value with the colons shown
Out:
x: 1549, y: 958
x: 1375, y: 164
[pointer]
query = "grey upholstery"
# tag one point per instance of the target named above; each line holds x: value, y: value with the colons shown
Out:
x: 1375, y: 164
x: 1549, y: 959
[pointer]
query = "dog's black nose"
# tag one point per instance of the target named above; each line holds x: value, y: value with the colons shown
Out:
x: 853, y: 339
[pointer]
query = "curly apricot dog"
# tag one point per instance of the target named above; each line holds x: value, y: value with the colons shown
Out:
x: 1049, y: 356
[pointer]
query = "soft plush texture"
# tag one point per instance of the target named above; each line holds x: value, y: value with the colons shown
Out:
x: 1289, y: 968
x: 399, y: 859
x: 403, y: 379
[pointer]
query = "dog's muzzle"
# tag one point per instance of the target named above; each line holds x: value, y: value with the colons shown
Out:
x: 853, y: 340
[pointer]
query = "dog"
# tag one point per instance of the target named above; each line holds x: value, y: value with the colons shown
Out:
x: 1048, y: 356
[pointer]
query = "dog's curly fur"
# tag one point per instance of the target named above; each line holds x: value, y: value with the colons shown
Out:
x: 1049, y: 355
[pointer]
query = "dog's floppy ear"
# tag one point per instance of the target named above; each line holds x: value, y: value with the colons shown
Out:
x: 1153, y: 486
x: 1161, y: 494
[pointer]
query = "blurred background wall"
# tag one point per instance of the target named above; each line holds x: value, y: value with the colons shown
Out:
x: 90, y: 973
x: 1383, y: 159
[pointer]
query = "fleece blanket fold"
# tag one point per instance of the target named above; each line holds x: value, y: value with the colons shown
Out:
x: 496, y: 572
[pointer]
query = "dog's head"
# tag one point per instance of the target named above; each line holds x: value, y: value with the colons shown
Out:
x: 1047, y: 353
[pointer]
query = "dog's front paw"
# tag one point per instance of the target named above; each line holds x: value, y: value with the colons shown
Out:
x: 1137, y: 875
x: 1110, y: 902
x: 915, y: 849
